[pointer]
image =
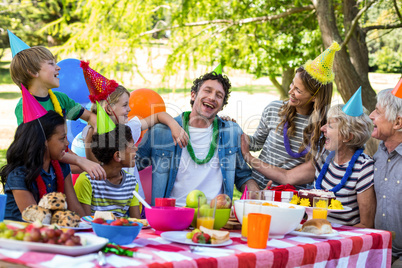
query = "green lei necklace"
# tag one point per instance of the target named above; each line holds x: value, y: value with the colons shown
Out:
x: 212, y: 146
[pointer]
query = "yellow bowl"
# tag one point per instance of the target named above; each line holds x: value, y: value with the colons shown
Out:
x: 221, y: 218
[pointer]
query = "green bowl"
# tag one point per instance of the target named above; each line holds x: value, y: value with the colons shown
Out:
x: 221, y: 218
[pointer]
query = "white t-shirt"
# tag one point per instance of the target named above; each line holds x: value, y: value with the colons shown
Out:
x: 190, y: 176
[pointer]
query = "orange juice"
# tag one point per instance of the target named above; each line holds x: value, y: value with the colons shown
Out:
x: 244, y: 226
x: 319, y: 213
x: 207, y: 222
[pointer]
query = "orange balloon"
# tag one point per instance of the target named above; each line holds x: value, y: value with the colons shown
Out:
x: 145, y: 102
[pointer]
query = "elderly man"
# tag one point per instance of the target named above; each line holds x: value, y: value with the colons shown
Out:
x: 212, y: 161
x: 387, y: 119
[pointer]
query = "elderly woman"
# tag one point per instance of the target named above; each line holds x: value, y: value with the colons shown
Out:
x: 347, y: 171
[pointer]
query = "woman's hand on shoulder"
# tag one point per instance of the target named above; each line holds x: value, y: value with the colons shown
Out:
x: 227, y: 118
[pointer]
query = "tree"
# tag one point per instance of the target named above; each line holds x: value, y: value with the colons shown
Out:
x: 262, y: 37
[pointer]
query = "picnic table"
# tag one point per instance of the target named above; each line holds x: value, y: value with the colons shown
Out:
x: 353, y: 247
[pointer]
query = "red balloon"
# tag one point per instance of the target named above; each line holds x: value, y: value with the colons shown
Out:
x: 143, y: 103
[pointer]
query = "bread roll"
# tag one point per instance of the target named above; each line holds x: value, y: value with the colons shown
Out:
x: 34, y: 212
x: 66, y: 218
x: 54, y: 201
x: 317, y: 226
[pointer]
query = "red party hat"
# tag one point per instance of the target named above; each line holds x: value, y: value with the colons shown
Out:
x: 99, y: 86
x: 31, y: 109
x: 397, y: 91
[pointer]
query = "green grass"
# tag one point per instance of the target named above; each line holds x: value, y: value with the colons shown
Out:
x: 5, y: 77
x: 3, y: 160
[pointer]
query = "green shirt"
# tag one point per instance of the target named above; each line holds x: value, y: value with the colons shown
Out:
x: 71, y: 109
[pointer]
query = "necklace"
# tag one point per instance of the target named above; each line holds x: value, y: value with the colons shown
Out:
x: 59, y: 177
x: 287, y: 144
x: 347, y: 173
x: 56, y: 103
x: 212, y: 146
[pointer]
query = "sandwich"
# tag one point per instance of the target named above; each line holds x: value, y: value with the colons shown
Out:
x: 217, y: 237
x: 317, y: 226
x: 106, y: 215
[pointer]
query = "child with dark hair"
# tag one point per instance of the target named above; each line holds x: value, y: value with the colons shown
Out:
x: 33, y: 168
x: 115, y: 150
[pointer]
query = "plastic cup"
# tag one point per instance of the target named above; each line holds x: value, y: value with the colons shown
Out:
x: 258, y: 230
x: 248, y: 207
x: 165, y: 202
x: 320, y: 208
x: 206, y: 214
x: 3, y: 202
x: 268, y: 195
x: 256, y: 195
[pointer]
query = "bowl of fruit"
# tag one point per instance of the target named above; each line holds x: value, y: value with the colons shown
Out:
x: 120, y: 231
x: 169, y: 218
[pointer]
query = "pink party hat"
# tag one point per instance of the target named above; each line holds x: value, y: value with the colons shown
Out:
x: 31, y: 109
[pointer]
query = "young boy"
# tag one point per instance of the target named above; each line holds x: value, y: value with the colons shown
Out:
x: 116, y: 150
x: 36, y: 69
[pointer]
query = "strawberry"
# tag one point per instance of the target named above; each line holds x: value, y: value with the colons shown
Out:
x: 201, y: 238
x: 99, y: 220
x: 116, y: 223
x: 124, y: 221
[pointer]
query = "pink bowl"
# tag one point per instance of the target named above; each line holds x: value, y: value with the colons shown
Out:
x: 169, y: 218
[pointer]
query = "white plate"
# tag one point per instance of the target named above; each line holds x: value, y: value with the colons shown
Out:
x: 345, y: 208
x: 180, y: 237
x: 334, y: 233
x: 93, y: 243
x: 88, y: 219
x: 81, y: 226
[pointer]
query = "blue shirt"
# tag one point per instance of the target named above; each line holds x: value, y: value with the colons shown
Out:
x: 157, y: 149
x: 16, y: 181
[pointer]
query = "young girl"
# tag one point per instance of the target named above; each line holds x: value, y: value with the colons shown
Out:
x: 33, y: 168
x: 289, y: 132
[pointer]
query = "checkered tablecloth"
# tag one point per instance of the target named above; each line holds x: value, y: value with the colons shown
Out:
x: 352, y: 248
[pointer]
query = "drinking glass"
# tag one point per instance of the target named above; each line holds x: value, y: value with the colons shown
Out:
x: 249, y: 206
x: 268, y: 195
x: 165, y: 202
x: 320, y: 207
x: 206, y: 214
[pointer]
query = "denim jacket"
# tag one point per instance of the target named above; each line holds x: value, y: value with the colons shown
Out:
x: 157, y: 149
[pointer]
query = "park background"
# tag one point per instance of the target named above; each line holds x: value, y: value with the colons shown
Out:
x: 165, y: 44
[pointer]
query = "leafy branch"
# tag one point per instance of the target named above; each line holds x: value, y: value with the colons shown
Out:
x: 233, y: 22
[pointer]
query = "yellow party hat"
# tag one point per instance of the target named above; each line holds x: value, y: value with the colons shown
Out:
x: 321, y: 68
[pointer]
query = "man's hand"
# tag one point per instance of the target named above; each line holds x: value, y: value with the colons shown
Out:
x: 269, y: 184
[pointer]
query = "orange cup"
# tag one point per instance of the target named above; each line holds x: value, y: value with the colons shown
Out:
x: 258, y: 230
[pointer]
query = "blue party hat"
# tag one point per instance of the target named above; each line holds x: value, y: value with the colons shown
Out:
x: 16, y: 44
x: 354, y: 107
